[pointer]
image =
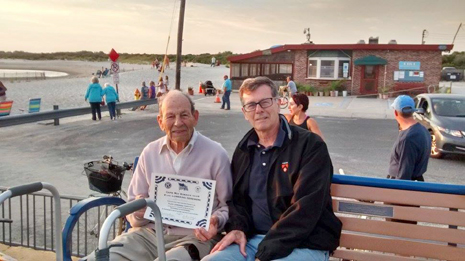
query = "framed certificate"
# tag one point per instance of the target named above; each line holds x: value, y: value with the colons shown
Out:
x: 183, y: 201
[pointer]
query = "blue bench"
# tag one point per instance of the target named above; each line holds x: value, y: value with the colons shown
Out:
x: 383, y: 219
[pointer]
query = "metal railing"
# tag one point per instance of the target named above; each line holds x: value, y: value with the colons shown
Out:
x: 32, y: 223
x: 23, y: 75
x: 64, y: 113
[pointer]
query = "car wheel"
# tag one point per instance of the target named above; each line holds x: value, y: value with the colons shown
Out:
x: 435, y: 153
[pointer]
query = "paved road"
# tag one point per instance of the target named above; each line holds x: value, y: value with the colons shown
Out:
x: 362, y: 147
x: 35, y: 152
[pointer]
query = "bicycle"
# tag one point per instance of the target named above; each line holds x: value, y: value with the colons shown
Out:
x: 105, y: 177
x: 283, y: 97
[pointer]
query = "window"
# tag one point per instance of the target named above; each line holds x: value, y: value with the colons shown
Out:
x: 272, y: 69
x: 327, y: 69
x: 253, y: 69
x: 235, y: 70
x: 245, y: 69
x: 312, y: 68
x: 266, y: 69
x: 285, y: 68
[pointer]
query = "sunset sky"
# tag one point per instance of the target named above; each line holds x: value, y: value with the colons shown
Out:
x: 240, y: 26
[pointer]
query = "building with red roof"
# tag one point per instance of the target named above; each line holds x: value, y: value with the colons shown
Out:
x: 365, y: 69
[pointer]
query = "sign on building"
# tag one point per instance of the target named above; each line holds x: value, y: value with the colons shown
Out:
x: 408, y: 65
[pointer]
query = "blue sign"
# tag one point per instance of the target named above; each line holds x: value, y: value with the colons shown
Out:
x: 403, y: 65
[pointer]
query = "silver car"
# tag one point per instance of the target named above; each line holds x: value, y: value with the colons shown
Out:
x: 444, y: 117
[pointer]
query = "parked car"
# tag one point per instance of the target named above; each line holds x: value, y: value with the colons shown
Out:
x: 444, y: 116
x: 451, y: 74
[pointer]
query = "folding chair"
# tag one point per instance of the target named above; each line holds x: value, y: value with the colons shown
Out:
x: 5, y: 108
x: 34, y: 105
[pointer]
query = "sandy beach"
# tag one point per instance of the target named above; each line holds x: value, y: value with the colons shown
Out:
x: 69, y: 91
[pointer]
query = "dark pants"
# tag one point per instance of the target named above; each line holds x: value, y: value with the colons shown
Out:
x: 226, y: 100
x: 95, y: 109
x: 112, y: 109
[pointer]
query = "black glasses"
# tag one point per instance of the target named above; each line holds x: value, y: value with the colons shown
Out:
x: 265, y: 103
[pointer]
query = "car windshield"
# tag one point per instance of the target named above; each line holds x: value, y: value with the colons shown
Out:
x: 454, y: 107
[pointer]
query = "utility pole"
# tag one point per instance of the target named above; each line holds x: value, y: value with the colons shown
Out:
x: 179, y: 49
x: 458, y: 29
x: 423, y: 36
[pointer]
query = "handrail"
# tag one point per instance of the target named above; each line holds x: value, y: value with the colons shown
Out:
x: 37, y: 186
x: 399, y: 184
x: 64, y: 113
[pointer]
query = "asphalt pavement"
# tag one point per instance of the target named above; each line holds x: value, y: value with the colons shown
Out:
x: 359, y: 133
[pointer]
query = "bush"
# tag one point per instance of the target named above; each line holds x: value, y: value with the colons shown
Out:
x: 337, y: 85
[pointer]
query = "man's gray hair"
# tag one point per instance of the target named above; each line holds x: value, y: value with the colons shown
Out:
x: 251, y: 84
x: 160, y: 101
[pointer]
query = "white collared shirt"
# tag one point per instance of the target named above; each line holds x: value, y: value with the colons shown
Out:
x: 178, y: 159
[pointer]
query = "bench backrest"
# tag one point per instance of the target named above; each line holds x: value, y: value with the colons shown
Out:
x: 399, y: 220
x: 5, y: 108
x: 34, y: 105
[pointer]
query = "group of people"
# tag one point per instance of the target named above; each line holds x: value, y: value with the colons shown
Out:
x: 153, y: 90
x: 273, y: 199
x: 102, y: 73
x: 95, y: 94
x: 156, y: 64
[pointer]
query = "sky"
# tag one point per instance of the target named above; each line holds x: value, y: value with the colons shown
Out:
x: 212, y: 26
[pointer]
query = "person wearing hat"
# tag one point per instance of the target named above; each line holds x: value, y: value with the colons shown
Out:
x: 410, y: 153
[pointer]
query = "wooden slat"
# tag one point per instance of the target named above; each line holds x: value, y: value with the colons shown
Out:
x: 417, y: 214
x: 398, y: 196
x: 368, y: 256
x: 402, y: 247
x: 408, y: 231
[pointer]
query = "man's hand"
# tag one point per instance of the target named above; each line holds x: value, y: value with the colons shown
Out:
x: 139, y: 214
x: 235, y: 236
x: 205, y: 235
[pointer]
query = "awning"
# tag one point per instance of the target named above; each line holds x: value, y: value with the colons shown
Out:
x: 370, y: 60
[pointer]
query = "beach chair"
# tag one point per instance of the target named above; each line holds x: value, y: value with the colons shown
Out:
x: 34, y: 105
x: 5, y: 108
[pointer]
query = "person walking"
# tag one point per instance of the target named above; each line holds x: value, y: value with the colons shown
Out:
x: 94, y: 93
x: 111, y: 97
x: 227, y: 88
x: 3, y: 90
x: 213, y: 62
x: 410, y: 153
x: 167, y: 83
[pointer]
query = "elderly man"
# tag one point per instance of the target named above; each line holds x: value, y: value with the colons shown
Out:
x: 281, y: 206
x: 410, y: 153
x: 185, y: 152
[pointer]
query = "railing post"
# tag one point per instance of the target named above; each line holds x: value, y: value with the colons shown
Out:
x: 56, y: 121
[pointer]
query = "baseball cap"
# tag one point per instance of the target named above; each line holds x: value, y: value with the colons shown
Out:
x: 404, y: 104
